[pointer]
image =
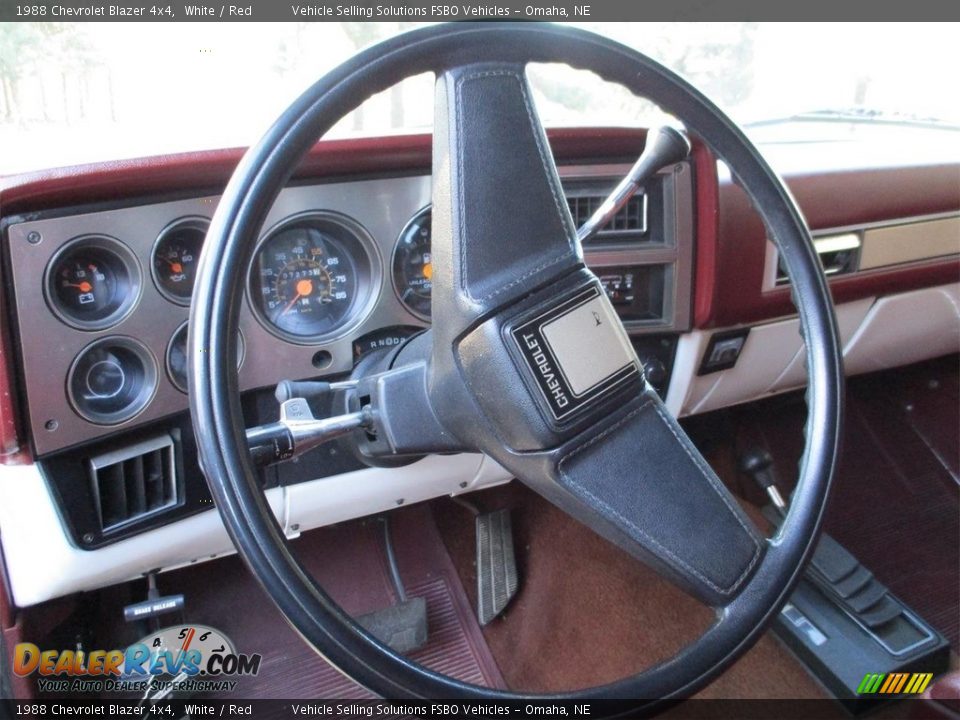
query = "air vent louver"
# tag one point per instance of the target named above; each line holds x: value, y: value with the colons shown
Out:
x: 135, y: 482
x: 630, y: 220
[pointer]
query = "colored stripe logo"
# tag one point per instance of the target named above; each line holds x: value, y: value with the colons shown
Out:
x: 894, y: 683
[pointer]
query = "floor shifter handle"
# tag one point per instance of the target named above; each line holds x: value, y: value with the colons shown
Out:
x: 758, y: 464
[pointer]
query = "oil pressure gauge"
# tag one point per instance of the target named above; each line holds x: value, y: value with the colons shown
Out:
x: 175, y: 257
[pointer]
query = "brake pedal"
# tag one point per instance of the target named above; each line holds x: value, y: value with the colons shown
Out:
x: 496, y: 564
x: 402, y: 627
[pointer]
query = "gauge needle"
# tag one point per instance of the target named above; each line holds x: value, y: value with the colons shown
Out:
x: 428, y: 270
x: 83, y: 287
x: 186, y: 644
x: 304, y: 288
x: 175, y: 266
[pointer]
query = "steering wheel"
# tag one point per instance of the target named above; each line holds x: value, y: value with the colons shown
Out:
x: 526, y: 360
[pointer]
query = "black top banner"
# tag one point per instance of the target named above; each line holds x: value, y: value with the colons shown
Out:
x: 560, y: 11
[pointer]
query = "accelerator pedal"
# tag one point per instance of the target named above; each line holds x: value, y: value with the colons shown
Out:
x: 496, y: 564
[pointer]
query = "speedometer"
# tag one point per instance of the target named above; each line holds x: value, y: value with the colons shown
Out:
x: 310, y: 276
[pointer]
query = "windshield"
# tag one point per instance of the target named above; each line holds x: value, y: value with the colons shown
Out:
x: 75, y: 93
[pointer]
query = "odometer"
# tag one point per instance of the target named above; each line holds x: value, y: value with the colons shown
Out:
x: 308, y: 276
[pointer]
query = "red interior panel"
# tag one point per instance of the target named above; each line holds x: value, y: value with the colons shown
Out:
x: 827, y: 200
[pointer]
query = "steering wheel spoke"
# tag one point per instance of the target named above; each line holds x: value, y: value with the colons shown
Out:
x: 502, y: 231
x: 639, y: 481
x: 500, y: 222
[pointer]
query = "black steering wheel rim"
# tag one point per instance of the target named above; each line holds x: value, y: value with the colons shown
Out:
x: 215, y: 399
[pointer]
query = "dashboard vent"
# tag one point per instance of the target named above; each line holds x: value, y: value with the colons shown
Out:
x: 630, y: 220
x: 135, y: 482
x: 839, y: 255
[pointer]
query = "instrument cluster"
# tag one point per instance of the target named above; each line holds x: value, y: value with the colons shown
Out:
x: 313, y: 277
x: 104, y: 334
x: 340, y: 269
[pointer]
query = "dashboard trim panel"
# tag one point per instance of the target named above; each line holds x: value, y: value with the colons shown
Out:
x: 384, y: 205
x: 48, y: 347
x: 911, y: 253
x: 885, y: 194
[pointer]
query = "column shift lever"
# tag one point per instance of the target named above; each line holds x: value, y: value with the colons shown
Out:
x: 298, y: 431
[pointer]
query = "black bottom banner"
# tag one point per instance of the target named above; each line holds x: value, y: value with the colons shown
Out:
x: 292, y: 709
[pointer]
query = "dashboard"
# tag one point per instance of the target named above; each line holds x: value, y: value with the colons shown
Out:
x: 101, y: 300
x: 341, y: 269
x: 99, y: 468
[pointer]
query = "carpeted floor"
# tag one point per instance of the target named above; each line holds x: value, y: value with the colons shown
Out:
x: 896, y: 500
x: 587, y: 613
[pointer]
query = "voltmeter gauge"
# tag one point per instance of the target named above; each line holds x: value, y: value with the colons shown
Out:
x: 93, y: 282
x: 413, y: 266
